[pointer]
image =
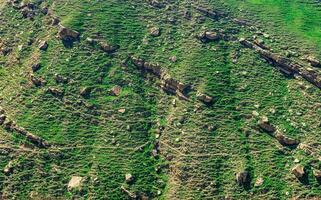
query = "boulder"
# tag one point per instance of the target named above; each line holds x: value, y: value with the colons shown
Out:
x: 317, y: 174
x: 204, y: 98
x: 35, y: 67
x: 155, y: 31
x: 37, y: 81
x: 75, y: 182
x: 265, y: 126
x: 243, y: 178
x: 286, y: 141
x: 129, y: 178
x: 115, y: 91
x: 209, y: 36
x: 85, y: 92
x: 67, y: 34
x: 43, y: 45
x: 8, y: 168
x: 107, y: 47
x: 259, y: 182
x: 313, y: 61
x: 298, y: 171
x: 60, y: 79
x: 56, y: 92
x: 2, y: 119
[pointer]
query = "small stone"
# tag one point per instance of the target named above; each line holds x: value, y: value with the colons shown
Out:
x: 122, y: 110
x: 116, y: 90
x: 129, y: 178
x: 173, y: 59
x: 259, y: 182
x: 298, y: 171
x: 243, y: 178
x: 43, y: 45
x: 75, y: 182
x: 296, y: 160
x: 317, y: 174
x: 255, y: 113
x: 155, y: 32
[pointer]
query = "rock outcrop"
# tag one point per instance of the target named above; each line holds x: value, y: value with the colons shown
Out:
x: 204, y: 98
x: 284, y: 64
x: 168, y: 83
x: 243, y: 178
x: 9, y: 125
x: 298, y: 171
x: 68, y: 34
x: 208, y: 36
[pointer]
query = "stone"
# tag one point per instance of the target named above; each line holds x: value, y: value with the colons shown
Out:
x: 85, y: 92
x: 204, y: 98
x: 56, y: 92
x: 317, y: 174
x: 115, y: 91
x: 243, y: 178
x: 37, y: 81
x: 75, y: 182
x: 259, y: 182
x: 286, y: 141
x: 173, y: 59
x: 209, y: 36
x: 122, y: 110
x: 265, y: 125
x: 155, y: 31
x: 67, y: 34
x: 313, y: 61
x: 8, y: 168
x: 107, y: 47
x: 61, y: 79
x: 43, y: 45
x: 35, y: 67
x: 298, y: 171
x: 129, y: 178
x: 2, y: 118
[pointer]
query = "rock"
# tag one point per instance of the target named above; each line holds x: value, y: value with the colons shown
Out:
x: 173, y: 59
x: 187, y: 14
x: 209, y: 36
x: 35, y: 67
x: 8, y: 168
x: 298, y: 171
x: 75, y: 182
x: 107, y: 47
x: 55, y: 21
x: 45, y: 10
x: 2, y: 119
x: 56, y: 92
x: 313, y: 61
x: 243, y: 178
x: 286, y: 141
x: 265, y: 125
x: 67, y: 34
x: 60, y: 79
x: 154, y: 32
x: 259, y: 182
x: 115, y: 91
x: 37, y: 81
x: 129, y: 178
x: 122, y: 110
x: 129, y: 193
x: 85, y: 92
x: 43, y: 45
x: 204, y: 98
x: 156, y: 4
x: 317, y: 174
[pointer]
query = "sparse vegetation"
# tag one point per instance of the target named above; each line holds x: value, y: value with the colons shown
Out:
x: 116, y: 130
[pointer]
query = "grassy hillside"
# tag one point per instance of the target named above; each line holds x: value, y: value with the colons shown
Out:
x: 173, y: 149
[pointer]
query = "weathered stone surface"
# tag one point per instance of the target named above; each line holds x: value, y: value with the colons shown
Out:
x: 67, y: 34
x: 2, y: 118
x: 243, y: 178
x: 43, y: 45
x: 204, y: 98
x: 259, y: 182
x: 207, y: 36
x: 8, y: 168
x: 298, y: 171
x: 75, y: 182
x: 155, y: 31
x: 115, y: 91
x: 286, y: 141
